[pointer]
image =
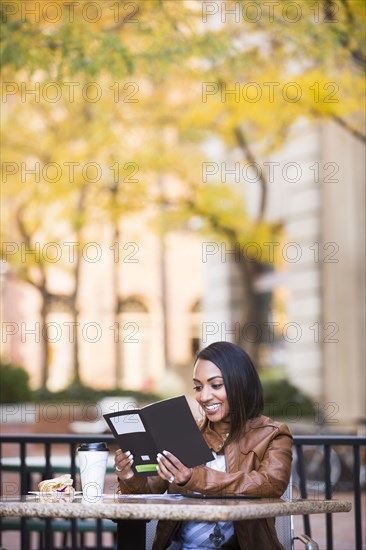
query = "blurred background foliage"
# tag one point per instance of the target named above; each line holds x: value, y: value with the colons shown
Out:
x: 165, y: 70
x: 282, y: 399
x: 14, y: 387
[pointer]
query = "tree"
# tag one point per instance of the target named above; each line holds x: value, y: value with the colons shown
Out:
x: 53, y: 186
x: 184, y: 69
x: 321, y: 44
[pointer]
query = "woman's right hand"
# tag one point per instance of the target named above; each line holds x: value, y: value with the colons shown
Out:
x: 122, y: 464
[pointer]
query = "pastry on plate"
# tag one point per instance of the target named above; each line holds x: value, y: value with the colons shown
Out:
x: 57, y: 489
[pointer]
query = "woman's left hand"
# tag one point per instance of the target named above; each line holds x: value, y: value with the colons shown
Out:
x: 171, y: 469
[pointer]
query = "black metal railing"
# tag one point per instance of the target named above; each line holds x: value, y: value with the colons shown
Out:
x: 326, y: 445
x: 323, y: 482
x: 47, y: 528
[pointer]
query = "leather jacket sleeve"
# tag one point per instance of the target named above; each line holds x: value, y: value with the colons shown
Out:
x: 262, y: 466
x: 143, y: 485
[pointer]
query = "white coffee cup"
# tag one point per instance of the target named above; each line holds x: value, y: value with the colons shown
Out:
x: 92, y: 458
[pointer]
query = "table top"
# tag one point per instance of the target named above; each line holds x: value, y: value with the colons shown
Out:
x: 174, y: 507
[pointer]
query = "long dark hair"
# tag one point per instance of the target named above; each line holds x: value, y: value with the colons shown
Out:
x: 243, y: 386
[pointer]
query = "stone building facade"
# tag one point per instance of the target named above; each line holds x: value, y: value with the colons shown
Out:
x: 317, y: 192
x: 184, y: 291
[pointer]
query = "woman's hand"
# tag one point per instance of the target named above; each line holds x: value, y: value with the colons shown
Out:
x: 171, y: 469
x: 122, y: 465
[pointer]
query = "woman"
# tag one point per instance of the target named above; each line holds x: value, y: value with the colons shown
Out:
x: 252, y: 456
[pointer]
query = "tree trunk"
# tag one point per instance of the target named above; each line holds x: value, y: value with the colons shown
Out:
x: 45, y: 350
x: 75, y: 321
x: 118, y: 359
x: 250, y: 321
x: 251, y: 314
x: 74, y: 296
x: 164, y: 304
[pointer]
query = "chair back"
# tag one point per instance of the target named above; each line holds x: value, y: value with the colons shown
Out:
x: 150, y: 533
x: 284, y: 524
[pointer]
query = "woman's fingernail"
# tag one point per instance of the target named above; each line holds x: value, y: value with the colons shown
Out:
x: 165, y: 453
x: 159, y: 456
x: 128, y: 453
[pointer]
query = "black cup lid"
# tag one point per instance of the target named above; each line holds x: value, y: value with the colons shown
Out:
x: 100, y: 446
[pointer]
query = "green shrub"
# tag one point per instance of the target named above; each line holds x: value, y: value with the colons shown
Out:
x: 81, y: 393
x: 283, y: 400
x: 14, y: 384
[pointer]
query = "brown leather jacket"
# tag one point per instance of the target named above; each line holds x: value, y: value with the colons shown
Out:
x: 258, y: 464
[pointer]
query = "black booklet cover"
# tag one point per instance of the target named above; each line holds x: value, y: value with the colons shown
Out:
x: 166, y: 425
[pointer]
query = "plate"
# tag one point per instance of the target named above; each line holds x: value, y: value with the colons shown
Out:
x: 55, y: 496
x: 39, y: 493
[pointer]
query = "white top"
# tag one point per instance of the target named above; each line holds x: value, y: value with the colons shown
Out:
x: 193, y: 534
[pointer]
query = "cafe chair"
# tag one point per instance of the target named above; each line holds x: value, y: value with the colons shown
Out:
x: 285, y: 528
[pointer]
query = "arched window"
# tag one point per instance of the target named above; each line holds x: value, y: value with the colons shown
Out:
x: 136, y: 328
x: 132, y: 305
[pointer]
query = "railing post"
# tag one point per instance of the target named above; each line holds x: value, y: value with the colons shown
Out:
x: 74, y: 534
x: 328, y: 496
x: 302, y: 481
x: 99, y: 533
x: 24, y: 534
x: 72, y: 450
x: 1, y: 491
x: 48, y: 469
x: 24, y: 480
x: 48, y: 534
x: 357, y: 495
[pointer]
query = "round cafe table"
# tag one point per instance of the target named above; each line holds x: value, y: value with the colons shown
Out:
x: 132, y: 511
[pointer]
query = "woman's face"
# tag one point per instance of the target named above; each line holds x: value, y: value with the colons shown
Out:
x: 210, y: 393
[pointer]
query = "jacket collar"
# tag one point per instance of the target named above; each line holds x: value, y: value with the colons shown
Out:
x: 257, y: 430
x: 216, y: 441
x: 213, y: 439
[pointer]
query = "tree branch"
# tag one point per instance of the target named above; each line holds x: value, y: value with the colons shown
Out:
x: 356, y: 133
x: 239, y: 134
x: 215, y: 223
x: 344, y: 36
x: 27, y: 240
x: 124, y: 20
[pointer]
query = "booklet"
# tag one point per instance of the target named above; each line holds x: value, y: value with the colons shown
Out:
x: 166, y: 425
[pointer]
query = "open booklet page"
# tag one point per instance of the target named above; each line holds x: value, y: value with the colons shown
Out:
x: 131, y: 435
x: 166, y: 425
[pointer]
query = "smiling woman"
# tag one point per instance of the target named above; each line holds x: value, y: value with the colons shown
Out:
x: 227, y: 367
x: 252, y: 456
x: 211, y: 394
